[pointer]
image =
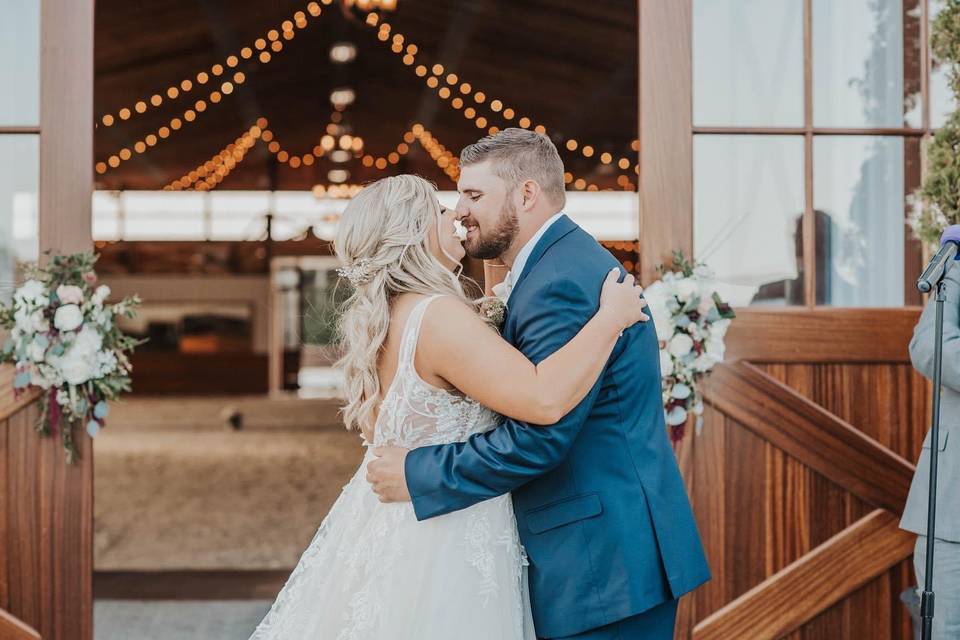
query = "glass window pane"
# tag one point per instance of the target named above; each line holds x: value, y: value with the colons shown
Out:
x: 164, y: 215
x: 860, y: 53
x: 20, y: 70
x: 19, y: 168
x: 748, y: 211
x: 859, y: 197
x: 238, y: 215
x: 748, y: 62
x: 942, y: 100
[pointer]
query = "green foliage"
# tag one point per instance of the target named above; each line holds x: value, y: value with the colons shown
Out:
x: 939, y: 197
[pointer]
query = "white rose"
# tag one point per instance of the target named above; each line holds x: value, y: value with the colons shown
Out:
x: 101, y: 294
x: 680, y: 345
x: 656, y: 296
x: 663, y: 323
x: 718, y: 329
x: 32, y: 293
x: 703, y: 363
x: 680, y: 391
x: 68, y: 317
x: 715, y: 348
x: 21, y: 318
x: 686, y: 289
x: 75, y: 367
x: 88, y: 340
x: 706, y: 303
x: 38, y: 322
x: 677, y: 416
x: 36, y: 352
x: 80, y: 362
x: 666, y: 363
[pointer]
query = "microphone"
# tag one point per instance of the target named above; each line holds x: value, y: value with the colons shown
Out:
x: 938, y: 265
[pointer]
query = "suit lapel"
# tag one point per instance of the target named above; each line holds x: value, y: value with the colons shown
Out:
x: 561, y: 227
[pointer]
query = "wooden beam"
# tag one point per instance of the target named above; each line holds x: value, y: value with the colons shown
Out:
x: 821, y: 335
x: 66, y: 117
x: 666, y: 132
x: 220, y: 584
x: 810, y: 434
x: 812, y: 584
x: 12, y: 628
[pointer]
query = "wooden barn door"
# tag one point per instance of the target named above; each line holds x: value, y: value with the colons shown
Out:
x: 812, y: 424
x: 800, y: 474
x: 46, y: 506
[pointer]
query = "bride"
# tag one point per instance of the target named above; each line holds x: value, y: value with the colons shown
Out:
x: 372, y: 571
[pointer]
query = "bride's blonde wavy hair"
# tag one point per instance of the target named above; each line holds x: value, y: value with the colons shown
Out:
x: 386, y: 229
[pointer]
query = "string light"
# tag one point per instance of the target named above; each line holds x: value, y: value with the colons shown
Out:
x: 437, y: 81
x: 186, y: 85
x: 337, y: 192
x: 212, y: 172
x: 163, y: 132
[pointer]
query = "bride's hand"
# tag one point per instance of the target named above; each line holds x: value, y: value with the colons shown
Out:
x: 622, y: 301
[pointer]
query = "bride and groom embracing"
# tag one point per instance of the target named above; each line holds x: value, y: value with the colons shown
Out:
x: 516, y: 486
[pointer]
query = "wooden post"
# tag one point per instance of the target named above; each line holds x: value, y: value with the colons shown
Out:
x: 666, y: 132
x: 46, y: 519
x: 66, y: 125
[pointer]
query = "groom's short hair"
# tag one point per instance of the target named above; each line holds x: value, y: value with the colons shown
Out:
x: 519, y: 154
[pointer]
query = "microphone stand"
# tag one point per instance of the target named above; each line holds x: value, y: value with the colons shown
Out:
x: 927, y: 598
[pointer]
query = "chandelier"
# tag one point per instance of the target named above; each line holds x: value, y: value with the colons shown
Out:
x: 371, y: 5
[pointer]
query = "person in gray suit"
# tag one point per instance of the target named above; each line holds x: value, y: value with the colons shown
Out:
x: 946, y: 577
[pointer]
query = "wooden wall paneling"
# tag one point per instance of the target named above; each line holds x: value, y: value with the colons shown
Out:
x: 22, y: 552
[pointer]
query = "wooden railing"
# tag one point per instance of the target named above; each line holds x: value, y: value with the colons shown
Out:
x: 12, y: 628
x: 46, y: 527
x: 800, y: 474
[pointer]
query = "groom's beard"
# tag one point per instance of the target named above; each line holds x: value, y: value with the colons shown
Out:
x: 493, y: 244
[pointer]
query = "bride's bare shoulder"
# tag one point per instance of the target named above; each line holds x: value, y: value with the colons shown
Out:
x: 449, y: 315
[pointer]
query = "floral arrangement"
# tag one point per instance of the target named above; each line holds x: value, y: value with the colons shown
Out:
x: 691, y: 321
x: 63, y: 338
x: 493, y: 311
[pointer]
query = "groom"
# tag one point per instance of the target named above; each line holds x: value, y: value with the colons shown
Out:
x: 600, y: 504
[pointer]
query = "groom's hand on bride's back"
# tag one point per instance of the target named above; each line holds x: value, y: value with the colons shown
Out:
x: 386, y: 474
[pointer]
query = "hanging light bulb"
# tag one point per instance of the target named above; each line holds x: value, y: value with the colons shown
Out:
x: 342, y: 97
x: 343, y: 52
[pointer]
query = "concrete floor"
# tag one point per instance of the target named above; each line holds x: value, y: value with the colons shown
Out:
x: 175, y: 489
x: 177, y: 619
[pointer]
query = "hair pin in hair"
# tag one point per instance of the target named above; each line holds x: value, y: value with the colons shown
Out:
x: 358, y: 273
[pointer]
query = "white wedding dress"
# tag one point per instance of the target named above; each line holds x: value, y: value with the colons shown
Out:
x: 373, y: 572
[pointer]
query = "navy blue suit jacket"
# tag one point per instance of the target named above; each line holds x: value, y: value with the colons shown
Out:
x: 601, y: 507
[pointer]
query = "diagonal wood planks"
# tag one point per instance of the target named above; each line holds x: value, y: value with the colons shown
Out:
x: 811, y: 434
x: 819, y: 579
x: 12, y: 628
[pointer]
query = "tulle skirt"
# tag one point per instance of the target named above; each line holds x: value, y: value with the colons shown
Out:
x: 373, y: 572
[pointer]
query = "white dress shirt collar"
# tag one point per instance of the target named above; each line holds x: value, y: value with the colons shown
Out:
x: 524, y: 254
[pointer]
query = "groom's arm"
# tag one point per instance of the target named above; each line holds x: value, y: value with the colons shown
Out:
x: 451, y: 477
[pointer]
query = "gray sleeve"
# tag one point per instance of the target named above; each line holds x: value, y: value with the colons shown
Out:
x: 921, y: 345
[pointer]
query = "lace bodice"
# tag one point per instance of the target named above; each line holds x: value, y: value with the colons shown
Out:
x: 414, y: 413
